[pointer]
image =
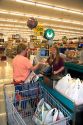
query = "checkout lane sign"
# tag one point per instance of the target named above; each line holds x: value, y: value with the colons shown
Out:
x: 39, y: 30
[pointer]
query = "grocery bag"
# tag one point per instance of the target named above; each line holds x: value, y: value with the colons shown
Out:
x: 45, y: 115
x: 63, y: 83
x: 77, y: 92
x: 54, y: 115
x: 49, y: 117
x: 31, y: 78
x: 41, y: 111
x: 59, y: 117
x: 70, y: 88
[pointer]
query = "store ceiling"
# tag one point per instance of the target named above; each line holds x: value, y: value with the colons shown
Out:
x: 64, y: 16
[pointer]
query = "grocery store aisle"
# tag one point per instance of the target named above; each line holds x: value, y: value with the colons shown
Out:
x: 5, y: 71
x: 5, y: 78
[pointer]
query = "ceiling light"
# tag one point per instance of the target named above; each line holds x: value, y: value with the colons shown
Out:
x: 66, y: 31
x: 2, y: 114
x: 13, y: 26
x: 11, y: 20
x: 50, y: 6
x: 26, y: 2
x: 40, y: 17
x: 25, y: 31
x: 44, y: 24
x: 61, y: 26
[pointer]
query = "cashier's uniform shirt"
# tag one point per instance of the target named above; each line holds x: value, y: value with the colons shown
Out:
x: 57, y: 66
x: 21, y: 68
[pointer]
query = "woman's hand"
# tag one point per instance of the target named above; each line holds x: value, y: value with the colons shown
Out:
x: 59, y: 70
x: 55, y: 73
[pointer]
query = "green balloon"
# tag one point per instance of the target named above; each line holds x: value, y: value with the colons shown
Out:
x: 49, y: 34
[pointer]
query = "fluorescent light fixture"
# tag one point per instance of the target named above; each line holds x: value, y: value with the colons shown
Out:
x: 3, y: 114
x: 26, y: 2
x: 11, y: 20
x: 29, y: 33
x: 43, y: 5
x: 44, y: 24
x: 15, y: 13
x: 13, y: 29
x: 67, y: 31
x: 13, y: 26
x: 50, y: 6
x: 61, y: 26
x: 41, y: 17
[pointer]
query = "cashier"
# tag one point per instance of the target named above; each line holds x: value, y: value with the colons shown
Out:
x: 56, y: 61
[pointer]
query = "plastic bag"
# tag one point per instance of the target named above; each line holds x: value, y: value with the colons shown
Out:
x: 77, y: 92
x: 55, y: 115
x: 45, y: 115
x: 58, y: 116
x: 63, y: 83
x: 41, y: 111
x: 32, y: 78
x: 50, y: 115
x: 70, y: 88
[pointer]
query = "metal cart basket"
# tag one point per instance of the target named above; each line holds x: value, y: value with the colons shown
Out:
x: 20, y: 106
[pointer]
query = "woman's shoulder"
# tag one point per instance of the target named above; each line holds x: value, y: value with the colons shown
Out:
x: 62, y: 56
x: 61, y: 59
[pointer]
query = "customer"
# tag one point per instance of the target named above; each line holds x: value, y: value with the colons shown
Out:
x: 22, y: 66
x: 56, y: 61
x: 21, y: 69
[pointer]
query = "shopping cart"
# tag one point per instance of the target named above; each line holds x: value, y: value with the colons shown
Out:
x: 20, y: 106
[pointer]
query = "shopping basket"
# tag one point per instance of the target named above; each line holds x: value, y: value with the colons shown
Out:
x: 20, y: 110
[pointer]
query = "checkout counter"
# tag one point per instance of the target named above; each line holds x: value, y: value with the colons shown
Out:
x: 75, y: 111
x: 76, y: 70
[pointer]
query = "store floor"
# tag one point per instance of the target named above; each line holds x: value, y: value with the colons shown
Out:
x: 5, y: 78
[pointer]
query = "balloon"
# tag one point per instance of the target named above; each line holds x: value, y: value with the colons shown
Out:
x: 49, y: 34
x: 32, y: 22
x: 64, y: 39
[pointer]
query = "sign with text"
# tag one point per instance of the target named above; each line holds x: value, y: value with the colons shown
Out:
x: 39, y: 30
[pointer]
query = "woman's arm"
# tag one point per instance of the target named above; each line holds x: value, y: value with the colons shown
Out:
x: 58, y: 71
